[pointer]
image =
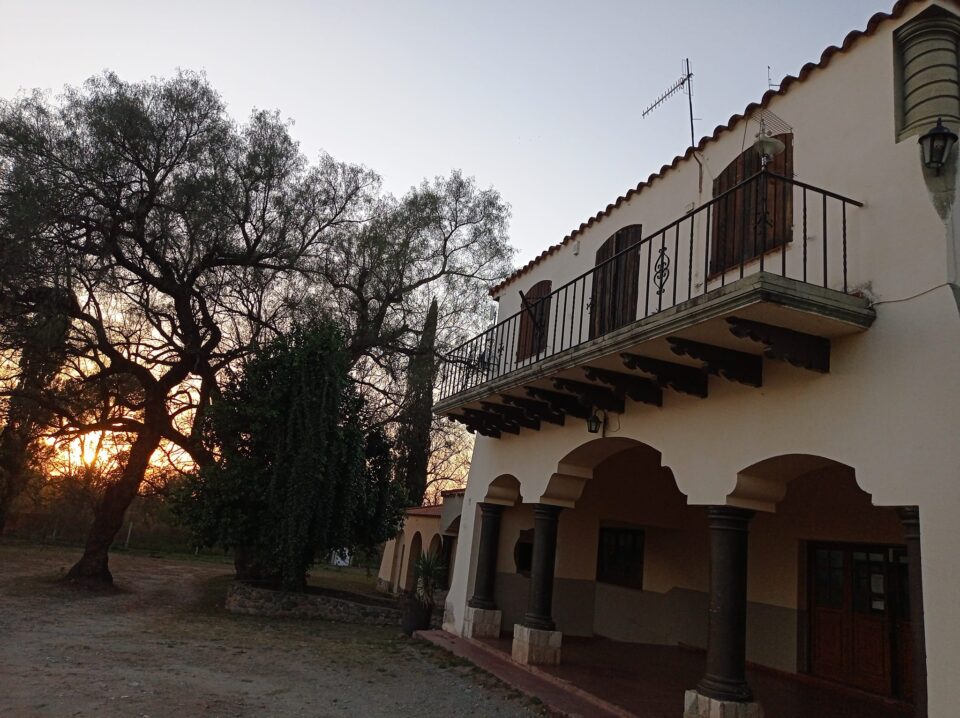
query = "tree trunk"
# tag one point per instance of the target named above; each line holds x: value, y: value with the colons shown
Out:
x: 13, y: 476
x: 248, y: 567
x: 108, y: 514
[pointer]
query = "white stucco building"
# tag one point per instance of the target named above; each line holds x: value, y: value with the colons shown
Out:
x: 769, y: 357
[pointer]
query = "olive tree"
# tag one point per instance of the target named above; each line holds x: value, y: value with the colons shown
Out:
x: 185, y: 240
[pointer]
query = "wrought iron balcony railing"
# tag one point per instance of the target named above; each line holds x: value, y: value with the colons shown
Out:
x: 765, y: 223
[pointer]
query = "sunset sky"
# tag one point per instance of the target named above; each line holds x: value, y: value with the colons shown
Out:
x: 540, y: 99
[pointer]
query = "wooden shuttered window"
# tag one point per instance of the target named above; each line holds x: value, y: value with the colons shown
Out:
x: 616, y: 283
x: 739, y: 231
x: 534, y: 320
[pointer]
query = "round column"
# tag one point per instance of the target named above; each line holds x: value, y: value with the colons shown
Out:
x: 540, y: 600
x: 725, y: 678
x: 485, y: 580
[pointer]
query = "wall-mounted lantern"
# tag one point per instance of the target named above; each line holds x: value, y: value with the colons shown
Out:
x: 936, y: 145
x: 594, y: 423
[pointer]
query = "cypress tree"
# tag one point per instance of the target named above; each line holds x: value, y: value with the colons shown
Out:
x: 413, y: 435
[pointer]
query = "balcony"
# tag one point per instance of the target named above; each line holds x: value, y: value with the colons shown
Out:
x: 760, y: 271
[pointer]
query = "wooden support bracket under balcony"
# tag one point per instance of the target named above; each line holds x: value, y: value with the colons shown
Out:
x: 474, y: 428
x: 564, y: 403
x: 491, y: 420
x: 513, y: 414
x: 540, y: 409
x: 806, y: 351
x: 636, y: 387
x: 592, y: 395
x: 679, y: 377
x: 728, y: 363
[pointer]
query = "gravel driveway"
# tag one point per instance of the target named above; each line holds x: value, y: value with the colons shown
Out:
x: 161, y: 645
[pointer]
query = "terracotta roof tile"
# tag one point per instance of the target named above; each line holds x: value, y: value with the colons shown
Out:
x: 785, y: 84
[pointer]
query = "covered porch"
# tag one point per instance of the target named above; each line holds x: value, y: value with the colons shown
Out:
x: 648, y: 598
x: 649, y: 680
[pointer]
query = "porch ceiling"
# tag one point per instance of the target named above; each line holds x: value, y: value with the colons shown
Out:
x: 724, y: 332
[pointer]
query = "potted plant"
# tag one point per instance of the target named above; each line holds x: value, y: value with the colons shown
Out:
x: 418, y: 606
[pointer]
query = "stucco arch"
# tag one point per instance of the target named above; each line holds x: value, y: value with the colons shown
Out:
x: 762, y: 485
x: 416, y: 548
x: 435, y: 545
x: 397, y: 563
x: 503, y: 490
x: 577, y: 467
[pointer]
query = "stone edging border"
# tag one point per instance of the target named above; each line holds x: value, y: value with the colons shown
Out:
x: 255, y: 601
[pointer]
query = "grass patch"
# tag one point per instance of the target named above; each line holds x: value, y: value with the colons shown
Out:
x: 350, y: 579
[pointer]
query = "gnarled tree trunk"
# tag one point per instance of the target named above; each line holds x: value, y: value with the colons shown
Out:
x: 108, y: 514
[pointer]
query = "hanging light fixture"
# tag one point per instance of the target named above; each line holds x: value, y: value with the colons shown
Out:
x: 936, y: 145
x: 767, y: 146
x: 594, y: 423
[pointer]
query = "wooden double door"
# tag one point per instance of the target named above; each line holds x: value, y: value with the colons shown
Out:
x: 860, y: 617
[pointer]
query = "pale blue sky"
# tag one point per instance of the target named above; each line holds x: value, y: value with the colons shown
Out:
x: 542, y: 100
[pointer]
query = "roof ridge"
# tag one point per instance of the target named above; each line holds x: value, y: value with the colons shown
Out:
x: 825, y: 57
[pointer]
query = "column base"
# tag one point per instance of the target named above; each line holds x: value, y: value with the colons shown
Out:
x: 697, y: 705
x: 481, y: 623
x: 532, y: 646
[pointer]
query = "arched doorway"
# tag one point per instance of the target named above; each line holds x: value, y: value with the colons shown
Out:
x: 435, y: 547
x: 828, y: 576
x: 623, y: 537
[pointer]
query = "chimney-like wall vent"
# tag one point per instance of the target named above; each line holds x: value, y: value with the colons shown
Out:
x: 928, y: 75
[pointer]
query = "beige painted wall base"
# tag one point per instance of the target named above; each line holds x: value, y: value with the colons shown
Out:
x: 481, y: 623
x: 700, y: 706
x: 532, y: 646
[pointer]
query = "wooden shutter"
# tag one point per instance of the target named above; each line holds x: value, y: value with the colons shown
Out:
x: 616, y: 283
x: 534, y: 320
x: 737, y: 232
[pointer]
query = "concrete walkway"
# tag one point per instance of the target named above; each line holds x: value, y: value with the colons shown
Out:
x: 648, y: 681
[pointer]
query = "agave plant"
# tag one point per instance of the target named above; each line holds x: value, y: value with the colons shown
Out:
x: 428, y: 570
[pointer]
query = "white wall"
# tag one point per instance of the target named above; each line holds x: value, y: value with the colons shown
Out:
x: 887, y: 408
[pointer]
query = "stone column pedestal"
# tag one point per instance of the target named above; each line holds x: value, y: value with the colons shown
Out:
x: 697, y: 705
x: 535, y: 646
x: 481, y: 623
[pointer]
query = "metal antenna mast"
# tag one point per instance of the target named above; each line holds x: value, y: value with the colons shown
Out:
x: 684, y: 83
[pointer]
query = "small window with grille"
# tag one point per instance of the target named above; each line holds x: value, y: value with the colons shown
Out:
x: 620, y: 557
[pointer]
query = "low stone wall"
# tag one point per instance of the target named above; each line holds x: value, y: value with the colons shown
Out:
x: 251, y: 600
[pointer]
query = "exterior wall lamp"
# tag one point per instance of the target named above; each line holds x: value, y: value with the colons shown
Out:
x: 767, y: 146
x: 935, y: 146
x: 594, y: 423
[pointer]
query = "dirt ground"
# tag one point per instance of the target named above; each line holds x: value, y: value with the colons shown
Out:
x: 162, y: 645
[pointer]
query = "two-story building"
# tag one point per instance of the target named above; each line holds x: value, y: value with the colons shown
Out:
x: 722, y: 413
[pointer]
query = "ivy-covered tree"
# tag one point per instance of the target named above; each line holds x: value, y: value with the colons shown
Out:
x: 380, y: 498
x: 293, y: 479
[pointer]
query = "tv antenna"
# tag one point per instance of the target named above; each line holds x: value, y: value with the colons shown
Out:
x: 684, y: 84
x: 771, y: 85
